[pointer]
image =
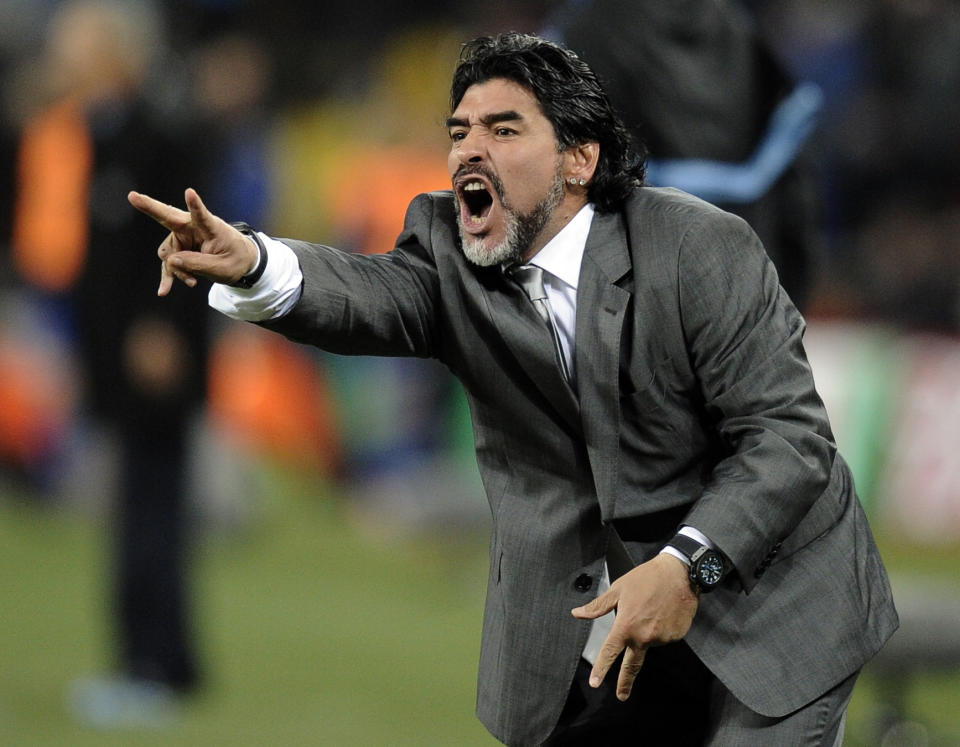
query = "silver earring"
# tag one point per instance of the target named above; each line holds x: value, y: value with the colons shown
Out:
x: 583, y: 182
x: 573, y: 180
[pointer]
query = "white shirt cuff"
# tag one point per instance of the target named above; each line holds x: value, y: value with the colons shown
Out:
x: 693, y: 534
x: 273, y: 295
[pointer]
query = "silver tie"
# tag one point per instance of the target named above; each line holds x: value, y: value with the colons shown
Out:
x: 530, y: 278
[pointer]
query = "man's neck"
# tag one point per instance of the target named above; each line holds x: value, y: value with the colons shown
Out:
x: 562, y: 255
x: 565, y: 212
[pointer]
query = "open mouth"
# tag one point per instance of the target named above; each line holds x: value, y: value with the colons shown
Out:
x: 476, y: 202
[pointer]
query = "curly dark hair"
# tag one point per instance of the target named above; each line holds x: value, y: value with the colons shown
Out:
x: 570, y: 96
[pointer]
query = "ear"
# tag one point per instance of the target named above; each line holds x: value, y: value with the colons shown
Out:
x: 580, y: 161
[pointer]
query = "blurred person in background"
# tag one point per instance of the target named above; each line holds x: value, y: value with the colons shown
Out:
x: 233, y: 77
x: 655, y: 454
x: 143, y: 362
x: 887, y: 152
x: 722, y: 117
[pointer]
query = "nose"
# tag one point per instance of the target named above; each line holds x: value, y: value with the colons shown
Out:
x: 470, y: 149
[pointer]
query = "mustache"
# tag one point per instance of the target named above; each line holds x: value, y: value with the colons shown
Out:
x: 479, y: 170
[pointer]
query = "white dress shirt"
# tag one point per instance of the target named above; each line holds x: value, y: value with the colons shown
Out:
x: 560, y: 261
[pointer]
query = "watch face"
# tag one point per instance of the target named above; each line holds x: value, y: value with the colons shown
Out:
x: 710, y: 570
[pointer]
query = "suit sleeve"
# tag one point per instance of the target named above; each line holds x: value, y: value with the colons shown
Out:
x: 745, y: 341
x: 381, y: 304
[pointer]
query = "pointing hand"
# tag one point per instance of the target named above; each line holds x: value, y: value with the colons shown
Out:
x: 199, y: 244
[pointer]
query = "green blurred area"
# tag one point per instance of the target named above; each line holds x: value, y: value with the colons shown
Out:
x: 312, y: 631
x: 315, y: 630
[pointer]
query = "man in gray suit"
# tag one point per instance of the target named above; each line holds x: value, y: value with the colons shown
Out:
x: 655, y: 454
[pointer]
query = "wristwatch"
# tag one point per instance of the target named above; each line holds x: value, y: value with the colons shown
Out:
x: 707, y: 566
x: 256, y: 273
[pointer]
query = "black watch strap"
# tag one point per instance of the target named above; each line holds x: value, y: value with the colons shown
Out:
x: 687, y: 546
x: 250, y: 278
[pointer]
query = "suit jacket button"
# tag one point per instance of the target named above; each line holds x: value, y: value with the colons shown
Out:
x: 583, y: 582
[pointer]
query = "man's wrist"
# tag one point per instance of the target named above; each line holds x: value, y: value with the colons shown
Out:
x: 256, y: 272
x: 670, y: 550
x: 707, y: 567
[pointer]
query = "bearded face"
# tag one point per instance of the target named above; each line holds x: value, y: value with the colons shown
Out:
x: 507, y: 169
x: 520, y: 229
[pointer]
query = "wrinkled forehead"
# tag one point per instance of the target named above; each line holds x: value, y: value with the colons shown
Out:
x: 499, y: 94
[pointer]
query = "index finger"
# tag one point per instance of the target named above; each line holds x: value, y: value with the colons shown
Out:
x: 166, y: 215
x: 201, y: 217
x: 597, y: 607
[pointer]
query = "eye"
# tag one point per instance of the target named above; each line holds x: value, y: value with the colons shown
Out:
x: 457, y: 135
x: 504, y: 132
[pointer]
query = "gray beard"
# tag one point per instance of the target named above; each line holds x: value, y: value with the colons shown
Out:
x: 522, y: 229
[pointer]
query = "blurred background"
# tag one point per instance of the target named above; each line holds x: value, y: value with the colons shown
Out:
x: 210, y: 535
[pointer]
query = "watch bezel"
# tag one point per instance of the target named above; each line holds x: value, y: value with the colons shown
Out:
x: 701, y: 564
x: 699, y: 555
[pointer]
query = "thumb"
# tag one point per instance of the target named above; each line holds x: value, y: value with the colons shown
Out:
x: 598, y: 607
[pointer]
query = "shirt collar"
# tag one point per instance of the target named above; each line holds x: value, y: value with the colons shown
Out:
x: 563, y: 254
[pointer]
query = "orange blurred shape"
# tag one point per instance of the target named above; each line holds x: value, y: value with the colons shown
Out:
x: 375, y: 188
x: 51, y: 222
x: 36, y: 403
x: 270, y: 392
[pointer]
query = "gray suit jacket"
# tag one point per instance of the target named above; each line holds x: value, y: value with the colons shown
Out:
x: 695, y: 405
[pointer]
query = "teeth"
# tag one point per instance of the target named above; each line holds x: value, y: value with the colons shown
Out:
x: 474, y: 187
x: 476, y: 219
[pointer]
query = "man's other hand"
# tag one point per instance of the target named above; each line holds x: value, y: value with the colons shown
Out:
x: 655, y: 604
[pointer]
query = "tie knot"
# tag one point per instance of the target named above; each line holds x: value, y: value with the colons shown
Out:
x: 530, y: 278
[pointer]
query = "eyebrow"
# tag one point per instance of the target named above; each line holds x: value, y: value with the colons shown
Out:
x: 490, y: 119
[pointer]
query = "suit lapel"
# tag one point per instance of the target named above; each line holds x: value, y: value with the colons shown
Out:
x: 531, y: 343
x: 601, y: 311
